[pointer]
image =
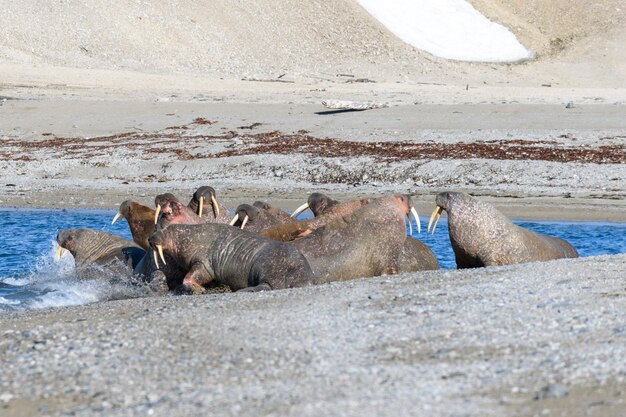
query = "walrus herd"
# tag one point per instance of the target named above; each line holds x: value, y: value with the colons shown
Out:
x: 199, y: 247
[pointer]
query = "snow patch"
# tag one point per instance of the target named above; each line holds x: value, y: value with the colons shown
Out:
x: 450, y: 29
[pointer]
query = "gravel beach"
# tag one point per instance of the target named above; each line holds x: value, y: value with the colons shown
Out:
x: 106, y: 101
x: 536, y: 339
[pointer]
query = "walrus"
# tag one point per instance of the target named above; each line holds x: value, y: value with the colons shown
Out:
x: 482, y: 236
x: 242, y: 260
x: 280, y: 215
x: 290, y: 231
x: 368, y: 242
x: 140, y: 219
x: 205, y: 204
x: 318, y: 203
x: 255, y: 219
x: 416, y: 256
x: 93, y: 247
x: 170, y: 210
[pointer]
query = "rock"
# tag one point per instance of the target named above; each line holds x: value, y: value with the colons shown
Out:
x: 551, y: 391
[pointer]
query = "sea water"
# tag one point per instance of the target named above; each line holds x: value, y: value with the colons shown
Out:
x: 31, y: 278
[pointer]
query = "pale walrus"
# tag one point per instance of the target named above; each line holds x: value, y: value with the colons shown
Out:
x: 170, y: 210
x: 219, y: 253
x: 482, y: 236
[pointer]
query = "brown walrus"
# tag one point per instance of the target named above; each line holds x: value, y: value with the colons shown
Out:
x: 280, y: 215
x: 205, y: 204
x: 365, y: 243
x: 290, y: 231
x: 96, y: 248
x: 415, y: 255
x: 140, y: 219
x: 229, y: 256
x: 482, y: 236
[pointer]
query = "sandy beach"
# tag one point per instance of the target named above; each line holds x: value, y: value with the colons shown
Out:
x: 126, y: 101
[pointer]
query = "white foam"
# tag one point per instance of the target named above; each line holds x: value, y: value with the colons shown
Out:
x: 450, y: 29
x: 8, y: 302
x: 56, y: 284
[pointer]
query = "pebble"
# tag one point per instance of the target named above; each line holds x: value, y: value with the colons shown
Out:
x: 551, y: 391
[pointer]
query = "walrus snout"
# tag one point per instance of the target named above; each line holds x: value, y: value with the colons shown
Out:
x: 409, y: 210
x: 156, y: 243
x: 243, y: 214
x: 206, y: 193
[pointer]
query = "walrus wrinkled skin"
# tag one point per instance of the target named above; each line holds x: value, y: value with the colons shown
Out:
x: 290, y: 231
x: 140, y: 219
x: 365, y: 243
x: 233, y: 257
x: 482, y: 236
x: 255, y: 219
x: 93, y: 247
x: 205, y: 204
x: 318, y: 203
x: 170, y: 210
x: 415, y: 255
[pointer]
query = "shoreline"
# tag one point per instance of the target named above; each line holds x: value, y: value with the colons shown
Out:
x: 519, y: 208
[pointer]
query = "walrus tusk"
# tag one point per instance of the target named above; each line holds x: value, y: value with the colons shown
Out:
x: 234, y: 220
x: 117, y: 216
x: 436, y: 213
x: 245, y: 220
x: 160, y: 249
x: 156, y: 259
x: 59, y: 253
x: 300, y: 209
x: 216, y: 206
x: 156, y: 213
x: 201, y: 206
x: 417, y: 219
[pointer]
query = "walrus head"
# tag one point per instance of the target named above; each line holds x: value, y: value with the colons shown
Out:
x: 65, y: 240
x: 253, y: 218
x: 317, y: 203
x: 204, y: 196
x: 157, y: 241
x: 140, y: 220
x: 458, y: 203
x: 168, y: 208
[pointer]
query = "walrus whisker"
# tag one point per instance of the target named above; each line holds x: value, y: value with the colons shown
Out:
x: 436, y: 215
x: 156, y: 213
x: 117, y: 216
x: 234, y: 220
x: 245, y: 220
x: 216, y: 206
x: 300, y: 209
x: 408, y: 217
x: 201, y: 206
x: 59, y: 253
x: 156, y: 259
x: 417, y: 219
x: 160, y: 249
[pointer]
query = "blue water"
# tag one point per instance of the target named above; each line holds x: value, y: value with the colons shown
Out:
x: 30, y: 277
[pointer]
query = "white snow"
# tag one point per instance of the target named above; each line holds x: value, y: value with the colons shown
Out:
x: 450, y: 29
